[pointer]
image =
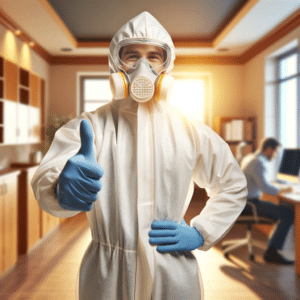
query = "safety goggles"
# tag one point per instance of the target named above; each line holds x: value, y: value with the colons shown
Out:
x: 129, y: 52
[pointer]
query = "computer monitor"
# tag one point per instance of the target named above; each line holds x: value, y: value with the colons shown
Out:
x: 290, y: 165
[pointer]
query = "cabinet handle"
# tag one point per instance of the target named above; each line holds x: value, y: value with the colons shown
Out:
x: 18, y: 131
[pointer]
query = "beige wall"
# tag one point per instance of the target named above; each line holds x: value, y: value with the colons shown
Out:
x: 63, y: 87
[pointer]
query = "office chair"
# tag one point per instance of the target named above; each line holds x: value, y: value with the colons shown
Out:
x: 249, y: 220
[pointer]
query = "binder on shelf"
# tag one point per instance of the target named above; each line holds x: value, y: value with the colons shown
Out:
x: 238, y: 130
x: 234, y: 130
x: 228, y: 131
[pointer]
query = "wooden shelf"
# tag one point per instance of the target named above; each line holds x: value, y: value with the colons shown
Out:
x: 24, y: 77
x: 11, y: 81
x: 24, y: 96
x: 34, y: 91
x: 1, y: 89
x: 1, y: 113
x: 1, y: 67
x: 1, y: 78
x: 247, y: 132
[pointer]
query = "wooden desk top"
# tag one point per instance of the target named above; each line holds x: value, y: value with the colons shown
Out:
x: 291, y: 197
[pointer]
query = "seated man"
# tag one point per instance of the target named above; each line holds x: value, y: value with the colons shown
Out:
x: 254, y: 167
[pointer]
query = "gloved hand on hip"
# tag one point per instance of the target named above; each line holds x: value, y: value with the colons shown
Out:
x: 79, y: 182
x: 172, y: 236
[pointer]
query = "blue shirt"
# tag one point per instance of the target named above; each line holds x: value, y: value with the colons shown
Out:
x: 254, y: 167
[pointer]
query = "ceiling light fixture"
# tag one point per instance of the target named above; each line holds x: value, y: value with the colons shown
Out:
x: 66, y: 49
x: 223, y: 49
x: 18, y: 32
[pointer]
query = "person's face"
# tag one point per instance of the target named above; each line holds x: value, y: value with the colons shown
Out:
x: 130, y: 54
x: 271, y: 153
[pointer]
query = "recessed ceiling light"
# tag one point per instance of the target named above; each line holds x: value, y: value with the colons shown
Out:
x: 31, y: 44
x: 66, y: 49
x: 18, y: 32
x: 223, y: 49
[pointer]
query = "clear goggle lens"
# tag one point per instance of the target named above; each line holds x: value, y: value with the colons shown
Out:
x: 129, y: 55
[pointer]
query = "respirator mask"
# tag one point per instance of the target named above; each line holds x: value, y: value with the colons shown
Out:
x: 141, y: 73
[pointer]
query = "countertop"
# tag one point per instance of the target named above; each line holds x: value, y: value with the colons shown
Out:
x: 16, y: 168
x: 23, y: 165
x: 9, y: 171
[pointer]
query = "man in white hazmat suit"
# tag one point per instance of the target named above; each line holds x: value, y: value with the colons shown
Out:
x: 151, y: 155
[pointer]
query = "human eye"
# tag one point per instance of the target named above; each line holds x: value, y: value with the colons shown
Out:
x: 133, y: 57
x: 155, y: 57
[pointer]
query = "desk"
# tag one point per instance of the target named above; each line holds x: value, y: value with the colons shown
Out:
x: 294, y: 198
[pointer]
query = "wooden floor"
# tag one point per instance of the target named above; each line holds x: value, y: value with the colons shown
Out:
x: 50, y: 270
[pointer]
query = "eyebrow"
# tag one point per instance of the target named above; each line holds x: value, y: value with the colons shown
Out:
x: 136, y: 52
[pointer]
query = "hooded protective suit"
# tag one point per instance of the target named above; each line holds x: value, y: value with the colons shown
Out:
x: 151, y: 154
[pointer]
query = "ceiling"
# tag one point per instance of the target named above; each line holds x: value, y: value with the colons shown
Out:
x: 98, y: 20
x: 198, y: 27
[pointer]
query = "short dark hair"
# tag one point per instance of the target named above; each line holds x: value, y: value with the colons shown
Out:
x: 269, y: 143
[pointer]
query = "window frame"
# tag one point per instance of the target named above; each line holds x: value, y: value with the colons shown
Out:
x: 279, y: 81
x: 81, y: 76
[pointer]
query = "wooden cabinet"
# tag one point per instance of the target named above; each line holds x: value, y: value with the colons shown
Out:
x: 33, y: 223
x: 237, y: 129
x: 8, y: 220
x: 21, y: 104
x: 29, y: 218
x: 1, y: 77
x: 11, y: 81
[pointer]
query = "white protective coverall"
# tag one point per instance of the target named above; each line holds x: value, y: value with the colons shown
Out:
x: 151, y: 154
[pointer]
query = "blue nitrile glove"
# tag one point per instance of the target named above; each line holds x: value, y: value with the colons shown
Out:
x: 79, y: 182
x: 173, y: 236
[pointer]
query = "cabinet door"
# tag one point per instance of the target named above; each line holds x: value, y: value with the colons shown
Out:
x: 1, y: 229
x: 23, y: 123
x: 33, y: 212
x: 10, y: 122
x: 11, y: 81
x: 34, y: 125
x: 10, y: 221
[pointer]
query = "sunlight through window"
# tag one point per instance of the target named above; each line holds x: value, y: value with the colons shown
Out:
x: 188, y: 96
x: 288, y: 100
x: 95, y: 92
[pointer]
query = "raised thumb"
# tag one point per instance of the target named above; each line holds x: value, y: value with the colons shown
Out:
x: 86, y: 136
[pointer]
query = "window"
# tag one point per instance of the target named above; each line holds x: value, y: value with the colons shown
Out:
x: 188, y: 96
x: 288, y: 99
x: 94, y: 92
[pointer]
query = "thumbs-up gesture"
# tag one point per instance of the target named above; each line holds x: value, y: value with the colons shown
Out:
x: 79, y: 182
